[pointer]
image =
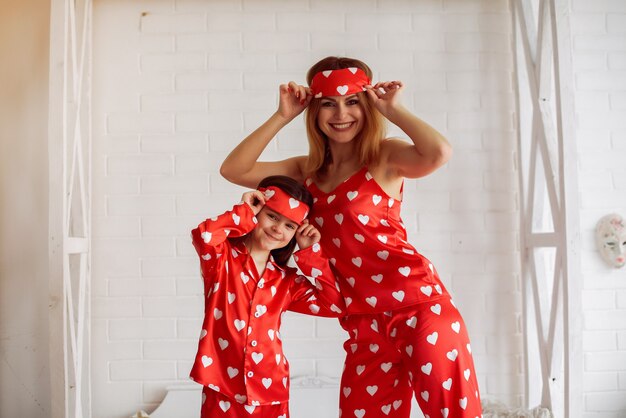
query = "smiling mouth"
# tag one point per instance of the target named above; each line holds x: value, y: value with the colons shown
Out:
x: 341, y: 126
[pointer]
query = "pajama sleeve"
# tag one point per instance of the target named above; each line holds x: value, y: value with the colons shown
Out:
x: 321, y: 299
x: 211, y: 233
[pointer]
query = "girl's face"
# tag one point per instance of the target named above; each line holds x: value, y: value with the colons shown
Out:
x: 340, y: 118
x: 273, y: 230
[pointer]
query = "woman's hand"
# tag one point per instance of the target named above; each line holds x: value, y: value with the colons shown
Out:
x: 255, y: 199
x: 294, y: 98
x: 386, y: 96
x: 307, y: 235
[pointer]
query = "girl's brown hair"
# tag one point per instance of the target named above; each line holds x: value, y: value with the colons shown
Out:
x: 368, y: 140
x: 295, y: 190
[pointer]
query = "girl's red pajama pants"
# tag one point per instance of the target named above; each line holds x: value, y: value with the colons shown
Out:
x: 216, y: 405
x: 422, y: 349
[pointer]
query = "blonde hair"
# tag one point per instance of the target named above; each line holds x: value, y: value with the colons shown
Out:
x: 368, y: 140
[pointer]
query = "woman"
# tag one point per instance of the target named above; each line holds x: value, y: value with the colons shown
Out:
x: 406, y: 336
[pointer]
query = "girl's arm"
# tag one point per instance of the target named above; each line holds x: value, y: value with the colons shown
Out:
x: 323, y: 298
x: 241, y: 166
x: 233, y: 223
x: 429, y: 151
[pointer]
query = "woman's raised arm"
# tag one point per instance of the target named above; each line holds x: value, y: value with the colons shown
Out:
x: 242, y: 166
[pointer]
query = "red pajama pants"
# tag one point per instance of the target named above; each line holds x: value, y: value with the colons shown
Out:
x: 216, y: 405
x: 422, y: 349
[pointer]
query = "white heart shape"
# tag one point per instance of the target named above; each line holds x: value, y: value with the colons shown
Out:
x: 359, y: 238
x: 463, y: 403
x: 425, y: 395
x: 386, y: 409
x: 409, y: 350
x: 466, y: 374
x: 293, y: 203
x: 232, y: 372
x: 374, y: 348
x: 374, y: 325
x: 399, y: 295
x: 447, y: 384
x: 320, y: 221
x: 376, y: 199
x: 267, y: 382
x: 236, y: 219
x: 260, y: 310
x: 257, y: 357
x: 244, y: 277
x: 382, y: 238
x: 224, y: 405
x: 357, y: 261
x: 359, y: 413
x: 351, y: 281
x: 351, y: 195
x: 371, y: 301
x: 206, y: 237
x: 432, y: 338
x: 217, y: 314
x: 223, y: 343
x: 327, y: 73
x: 456, y: 326
x: 353, y: 70
x: 270, y: 333
x: 342, y: 90
x: 377, y: 278
x: 386, y: 367
x: 339, y: 218
x: 452, y: 355
x: 337, y: 242
x: 203, y: 333
x: 360, y: 369
x: 436, y: 309
x: 207, y: 361
x: 372, y: 389
x: 346, y: 391
x: 239, y: 324
x: 383, y: 255
x: 427, y: 368
x: 231, y: 297
x: 364, y: 219
x: 445, y: 412
x: 412, y: 322
x: 240, y: 398
x: 427, y: 290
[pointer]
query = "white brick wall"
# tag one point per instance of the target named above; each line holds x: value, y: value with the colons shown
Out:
x: 177, y: 83
x: 599, y: 53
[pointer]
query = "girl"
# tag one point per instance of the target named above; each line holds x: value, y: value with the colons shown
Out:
x: 406, y: 336
x: 243, y: 255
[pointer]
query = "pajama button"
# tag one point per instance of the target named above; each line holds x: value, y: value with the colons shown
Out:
x: 256, y: 314
x: 250, y: 374
x: 253, y: 343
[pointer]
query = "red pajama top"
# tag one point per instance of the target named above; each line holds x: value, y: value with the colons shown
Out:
x: 364, y: 236
x: 240, y: 350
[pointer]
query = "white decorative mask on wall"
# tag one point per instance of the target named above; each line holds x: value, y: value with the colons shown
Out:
x: 611, y: 239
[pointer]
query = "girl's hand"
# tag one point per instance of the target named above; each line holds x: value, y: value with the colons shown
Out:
x: 307, y: 235
x: 294, y: 98
x: 385, y: 96
x: 255, y: 199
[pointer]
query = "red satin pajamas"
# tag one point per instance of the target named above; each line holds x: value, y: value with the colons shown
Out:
x: 240, y: 360
x: 406, y: 336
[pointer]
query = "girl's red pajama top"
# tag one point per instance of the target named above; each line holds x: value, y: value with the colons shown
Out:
x: 240, y: 350
x: 362, y: 232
